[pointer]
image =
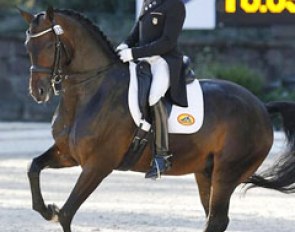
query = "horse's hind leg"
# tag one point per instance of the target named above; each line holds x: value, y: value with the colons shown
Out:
x: 218, y: 220
x: 215, y: 196
x: 50, y: 159
x: 204, y: 186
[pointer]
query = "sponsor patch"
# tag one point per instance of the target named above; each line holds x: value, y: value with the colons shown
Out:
x: 186, y: 119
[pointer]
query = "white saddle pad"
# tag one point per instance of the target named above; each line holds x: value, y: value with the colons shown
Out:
x: 182, y: 120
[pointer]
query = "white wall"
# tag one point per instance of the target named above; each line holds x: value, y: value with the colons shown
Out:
x: 200, y: 14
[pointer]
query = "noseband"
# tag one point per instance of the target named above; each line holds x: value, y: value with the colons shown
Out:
x: 56, y: 74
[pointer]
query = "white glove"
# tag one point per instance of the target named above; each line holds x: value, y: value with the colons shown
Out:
x: 126, y: 55
x: 121, y: 47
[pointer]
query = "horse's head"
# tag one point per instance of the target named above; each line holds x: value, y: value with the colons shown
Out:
x: 48, y: 53
x: 62, y: 43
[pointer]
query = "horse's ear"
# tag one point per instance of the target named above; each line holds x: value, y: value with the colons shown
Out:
x: 28, y: 17
x: 50, y: 13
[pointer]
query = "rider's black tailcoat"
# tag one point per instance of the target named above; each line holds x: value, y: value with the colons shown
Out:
x: 156, y: 33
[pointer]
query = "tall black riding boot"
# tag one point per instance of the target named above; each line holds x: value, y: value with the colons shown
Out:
x: 161, y: 161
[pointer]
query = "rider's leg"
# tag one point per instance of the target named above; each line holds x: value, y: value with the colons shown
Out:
x: 160, y: 84
x: 161, y: 160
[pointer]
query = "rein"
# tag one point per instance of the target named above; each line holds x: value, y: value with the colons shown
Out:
x: 56, y: 74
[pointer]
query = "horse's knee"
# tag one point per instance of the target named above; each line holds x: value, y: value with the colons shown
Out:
x: 217, y: 224
x: 33, y: 169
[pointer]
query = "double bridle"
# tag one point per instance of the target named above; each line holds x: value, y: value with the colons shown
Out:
x: 56, y: 74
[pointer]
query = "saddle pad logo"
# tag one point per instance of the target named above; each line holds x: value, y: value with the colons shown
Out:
x: 186, y: 119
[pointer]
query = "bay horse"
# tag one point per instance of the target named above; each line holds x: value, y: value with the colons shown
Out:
x: 92, y: 126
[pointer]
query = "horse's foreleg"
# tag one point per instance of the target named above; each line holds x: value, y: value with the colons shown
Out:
x: 50, y: 159
x: 90, y: 178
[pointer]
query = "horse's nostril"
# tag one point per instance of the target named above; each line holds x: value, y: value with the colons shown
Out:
x: 41, y: 91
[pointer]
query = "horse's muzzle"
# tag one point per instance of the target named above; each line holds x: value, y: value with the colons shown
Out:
x: 41, y: 91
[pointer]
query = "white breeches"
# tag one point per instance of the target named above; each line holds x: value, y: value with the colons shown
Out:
x: 160, y: 81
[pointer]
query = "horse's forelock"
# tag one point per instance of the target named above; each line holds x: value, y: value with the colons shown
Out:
x: 37, y: 18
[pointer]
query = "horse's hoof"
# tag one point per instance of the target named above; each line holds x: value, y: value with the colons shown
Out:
x: 55, y: 212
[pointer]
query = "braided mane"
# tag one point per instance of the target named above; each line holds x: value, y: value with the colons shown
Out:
x: 97, y: 34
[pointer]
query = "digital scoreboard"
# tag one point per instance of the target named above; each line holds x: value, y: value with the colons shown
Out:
x: 255, y: 12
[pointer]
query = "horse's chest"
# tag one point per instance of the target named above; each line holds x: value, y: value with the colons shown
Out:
x: 63, y: 136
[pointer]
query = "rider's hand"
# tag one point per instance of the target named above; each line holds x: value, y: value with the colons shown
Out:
x: 126, y: 55
x: 121, y: 47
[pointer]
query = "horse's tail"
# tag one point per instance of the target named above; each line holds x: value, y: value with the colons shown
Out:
x: 281, y: 176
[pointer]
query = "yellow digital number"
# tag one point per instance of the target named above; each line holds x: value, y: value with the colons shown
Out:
x: 230, y: 6
x: 290, y: 6
x: 276, y: 8
x: 249, y: 7
x: 254, y: 6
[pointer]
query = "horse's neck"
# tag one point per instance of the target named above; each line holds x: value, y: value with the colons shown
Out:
x: 88, y: 52
x: 88, y: 55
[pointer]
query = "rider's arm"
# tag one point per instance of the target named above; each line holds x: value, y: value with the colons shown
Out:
x: 168, y: 41
x: 133, y: 37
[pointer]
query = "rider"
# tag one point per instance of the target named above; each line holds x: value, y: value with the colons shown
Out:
x: 154, y: 38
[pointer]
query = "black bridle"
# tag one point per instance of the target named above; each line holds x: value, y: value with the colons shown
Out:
x: 56, y: 74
